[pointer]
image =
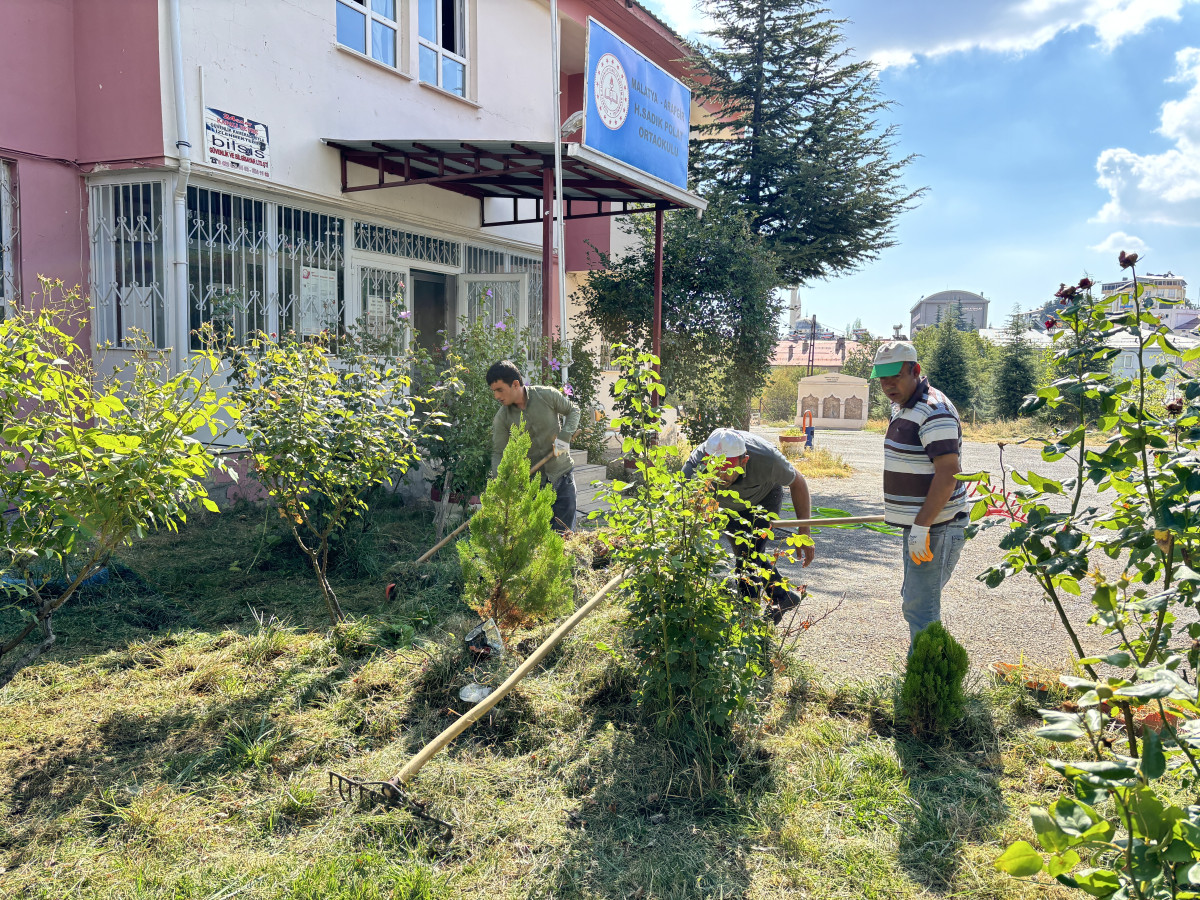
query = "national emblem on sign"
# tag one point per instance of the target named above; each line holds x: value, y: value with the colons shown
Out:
x: 611, y: 88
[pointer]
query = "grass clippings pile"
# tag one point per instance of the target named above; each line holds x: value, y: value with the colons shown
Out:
x: 176, y: 745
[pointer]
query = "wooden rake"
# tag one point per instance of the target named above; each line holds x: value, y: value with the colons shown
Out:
x: 392, y: 793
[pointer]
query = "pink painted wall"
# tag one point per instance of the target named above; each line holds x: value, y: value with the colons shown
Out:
x: 578, y: 232
x: 118, y: 93
x: 89, y: 92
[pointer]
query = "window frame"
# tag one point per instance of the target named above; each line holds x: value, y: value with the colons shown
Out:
x: 464, y: 15
x: 10, y: 238
x: 397, y: 25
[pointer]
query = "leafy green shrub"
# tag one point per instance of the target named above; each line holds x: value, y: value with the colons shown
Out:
x: 88, y: 461
x: 931, y: 697
x: 324, y: 433
x: 462, y: 454
x: 513, y: 564
x: 1126, y: 826
x: 702, y: 649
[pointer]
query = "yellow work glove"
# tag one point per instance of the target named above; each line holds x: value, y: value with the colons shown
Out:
x: 918, y: 545
x: 561, y: 447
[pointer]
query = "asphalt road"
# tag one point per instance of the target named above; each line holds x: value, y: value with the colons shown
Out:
x: 862, y: 569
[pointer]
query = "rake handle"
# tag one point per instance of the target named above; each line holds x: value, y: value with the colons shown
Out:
x: 480, y: 709
x: 425, y: 557
x: 844, y: 520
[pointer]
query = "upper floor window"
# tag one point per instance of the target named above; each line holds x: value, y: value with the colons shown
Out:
x: 369, y: 27
x: 441, y: 32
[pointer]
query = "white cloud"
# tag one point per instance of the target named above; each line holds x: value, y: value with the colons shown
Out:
x: 1160, y: 187
x: 897, y: 34
x: 1118, y: 241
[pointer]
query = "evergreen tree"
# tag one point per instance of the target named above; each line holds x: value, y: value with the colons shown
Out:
x: 947, y: 365
x: 1015, y: 372
x: 795, y: 138
x: 514, y: 567
x: 719, y: 311
x: 859, y: 364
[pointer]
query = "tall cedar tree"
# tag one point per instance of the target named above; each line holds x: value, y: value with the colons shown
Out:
x: 719, y: 311
x: 947, y: 366
x: 514, y: 567
x: 1016, y: 371
x: 796, y: 138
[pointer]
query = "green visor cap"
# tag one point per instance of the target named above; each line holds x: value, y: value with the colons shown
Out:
x: 886, y: 369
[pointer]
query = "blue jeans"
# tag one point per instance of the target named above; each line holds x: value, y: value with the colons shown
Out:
x: 564, y: 503
x: 922, y: 588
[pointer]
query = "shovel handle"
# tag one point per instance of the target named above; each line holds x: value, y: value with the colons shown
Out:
x: 425, y: 557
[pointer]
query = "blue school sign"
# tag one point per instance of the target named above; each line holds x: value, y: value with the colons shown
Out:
x: 634, y: 111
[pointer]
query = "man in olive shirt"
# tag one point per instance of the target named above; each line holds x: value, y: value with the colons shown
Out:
x: 757, y: 488
x: 541, y: 408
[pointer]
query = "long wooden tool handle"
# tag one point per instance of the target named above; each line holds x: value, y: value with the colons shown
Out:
x: 461, y: 528
x: 480, y: 709
x: 845, y: 520
x: 443, y: 542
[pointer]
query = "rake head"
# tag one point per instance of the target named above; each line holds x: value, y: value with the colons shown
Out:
x: 385, y: 793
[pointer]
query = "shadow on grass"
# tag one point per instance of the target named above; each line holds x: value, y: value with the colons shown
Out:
x: 644, y: 827
x: 956, y: 794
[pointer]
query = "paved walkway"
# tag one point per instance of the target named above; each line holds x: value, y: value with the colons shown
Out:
x: 868, y: 635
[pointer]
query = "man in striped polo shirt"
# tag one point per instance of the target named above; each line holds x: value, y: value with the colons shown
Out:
x: 920, y: 493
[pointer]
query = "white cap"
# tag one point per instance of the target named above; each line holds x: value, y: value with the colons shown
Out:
x: 891, y: 356
x: 725, y: 442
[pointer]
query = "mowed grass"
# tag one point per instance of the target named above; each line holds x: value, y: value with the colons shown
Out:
x: 177, y: 744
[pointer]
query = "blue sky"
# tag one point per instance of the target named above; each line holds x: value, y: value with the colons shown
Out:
x: 1051, y: 134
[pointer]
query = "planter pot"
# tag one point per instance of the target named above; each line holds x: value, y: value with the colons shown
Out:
x: 791, y: 438
x: 1151, y: 718
x: 1010, y: 672
x: 435, y: 494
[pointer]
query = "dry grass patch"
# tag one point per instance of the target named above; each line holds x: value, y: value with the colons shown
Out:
x: 817, y: 462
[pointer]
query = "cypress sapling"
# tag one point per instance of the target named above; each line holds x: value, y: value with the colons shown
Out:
x: 514, y: 567
x: 931, y: 697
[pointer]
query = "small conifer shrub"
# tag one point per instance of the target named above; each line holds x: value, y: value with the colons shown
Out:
x: 513, y: 564
x: 931, y: 697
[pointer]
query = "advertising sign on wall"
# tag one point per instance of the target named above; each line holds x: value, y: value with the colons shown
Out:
x: 634, y: 111
x: 235, y: 143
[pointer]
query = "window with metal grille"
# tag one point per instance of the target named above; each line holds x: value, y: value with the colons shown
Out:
x: 128, y: 264
x: 406, y: 244
x: 10, y: 231
x: 442, y: 39
x: 489, y: 261
x: 311, y: 271
x: 227, y: 264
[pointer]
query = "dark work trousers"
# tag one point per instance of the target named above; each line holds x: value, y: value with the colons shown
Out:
x: 564, y: 503
x: 748, y: 523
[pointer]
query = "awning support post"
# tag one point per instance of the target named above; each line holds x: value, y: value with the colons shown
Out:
x: 658, y: 279
x: 547, y: 243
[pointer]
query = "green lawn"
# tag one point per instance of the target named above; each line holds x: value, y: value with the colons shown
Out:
x: 176, y: 745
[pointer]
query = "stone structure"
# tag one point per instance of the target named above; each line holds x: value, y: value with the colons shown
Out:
x: 835, y: 401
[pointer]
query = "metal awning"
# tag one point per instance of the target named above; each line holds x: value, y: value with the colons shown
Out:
x: 593, y: 184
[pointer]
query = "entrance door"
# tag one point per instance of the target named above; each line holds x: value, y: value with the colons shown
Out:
x: 429, y: 308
